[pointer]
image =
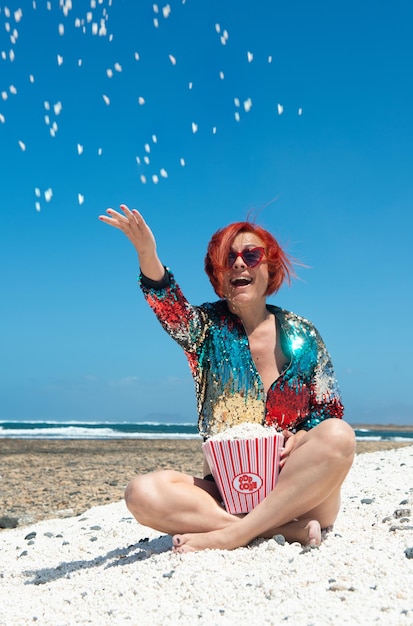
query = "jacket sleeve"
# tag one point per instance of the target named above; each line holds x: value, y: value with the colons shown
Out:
x: 184, y: 322
x: 325, y: 398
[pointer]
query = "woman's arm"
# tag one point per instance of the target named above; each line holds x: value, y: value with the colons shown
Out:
x: 132, y: 224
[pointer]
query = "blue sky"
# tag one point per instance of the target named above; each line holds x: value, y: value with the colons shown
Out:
x: 322, y: 158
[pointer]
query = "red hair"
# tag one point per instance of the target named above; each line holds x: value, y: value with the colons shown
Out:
x: 280, y: 267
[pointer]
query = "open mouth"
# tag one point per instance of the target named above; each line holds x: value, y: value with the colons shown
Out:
x: 241, y: 281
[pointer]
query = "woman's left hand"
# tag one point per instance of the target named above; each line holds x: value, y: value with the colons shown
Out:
x: 291, y: 442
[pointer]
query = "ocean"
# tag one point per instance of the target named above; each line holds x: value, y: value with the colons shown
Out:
x: 148, y: 430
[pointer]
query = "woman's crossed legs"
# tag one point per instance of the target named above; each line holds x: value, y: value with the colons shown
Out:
x: 305, y: 499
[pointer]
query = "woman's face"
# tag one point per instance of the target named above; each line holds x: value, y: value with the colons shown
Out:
x: 245, y: 285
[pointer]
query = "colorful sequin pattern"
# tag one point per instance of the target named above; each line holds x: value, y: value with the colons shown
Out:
x: 228, y: 387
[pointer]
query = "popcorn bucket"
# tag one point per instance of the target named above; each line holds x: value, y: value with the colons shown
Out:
x: 245, y: 470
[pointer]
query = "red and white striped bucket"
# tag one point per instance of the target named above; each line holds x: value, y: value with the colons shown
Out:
x: 245, y: 470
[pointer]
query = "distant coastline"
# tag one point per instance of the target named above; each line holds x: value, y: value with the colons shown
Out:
x: 395, y: 427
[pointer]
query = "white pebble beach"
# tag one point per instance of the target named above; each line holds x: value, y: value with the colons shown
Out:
x: 103, y: 568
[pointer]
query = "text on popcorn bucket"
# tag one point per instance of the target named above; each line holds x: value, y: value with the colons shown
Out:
x: 247, y: 482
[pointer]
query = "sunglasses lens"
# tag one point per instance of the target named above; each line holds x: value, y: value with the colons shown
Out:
x: 252, y: 257
x: 231, y: 258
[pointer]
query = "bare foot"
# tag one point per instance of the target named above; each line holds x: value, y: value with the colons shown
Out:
x: 314, y: 533
x: 222, y: 539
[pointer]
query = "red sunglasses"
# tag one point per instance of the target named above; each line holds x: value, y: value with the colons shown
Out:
x: 251, y: 256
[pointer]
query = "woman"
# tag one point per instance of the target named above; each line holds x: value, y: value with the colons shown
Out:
x: 251, y: 362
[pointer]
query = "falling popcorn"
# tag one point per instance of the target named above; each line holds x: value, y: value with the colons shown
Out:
x: 106, y: 99
x: 37, y: 206
x: 109, y: 73
x: 250, y: 56
x: 194, y: 127
x: 31, y: 78
x: 143, y: 179
x: 2, y: 118
x: 221, y: 75
x: 59, y: 59
x: 270, y: 59
x: 166, y: 11
x: 300, y: 111
x: 118, y: 67
x: 61, y: 29
x: 236, y: 102
x: 79, y: 148
x: 247, y: 105
x: 155, y: 8
x: 154, y: 139
x: 163, y: 173
x: 22, y: 145
x: 80, y: 198
x: 13, y: 89
x: 37, y: 192
x: 57, y: 108
x: 156, y: 24
x: 237, y: 116
x: 214, y: 130
x: 218, y: 28
x: 146, y: 159
x: 141, y: 100
x: 147, y: 147
x: 137, y: 56
x: 155, y: 179
x: 280, y: 109
x: 48, y: 194
x: 172, y: 59
x: 182, y: 162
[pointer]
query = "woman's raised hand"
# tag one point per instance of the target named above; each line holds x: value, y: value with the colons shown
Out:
x: 132, y: 224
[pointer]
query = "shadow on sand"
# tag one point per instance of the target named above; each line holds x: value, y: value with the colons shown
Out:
x: 140, y: 551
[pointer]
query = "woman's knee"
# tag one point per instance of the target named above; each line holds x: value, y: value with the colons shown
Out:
x: 339, y: 437
x: 145, y: 492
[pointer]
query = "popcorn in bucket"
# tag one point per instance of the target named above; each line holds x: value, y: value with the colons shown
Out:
x: 244, y: 462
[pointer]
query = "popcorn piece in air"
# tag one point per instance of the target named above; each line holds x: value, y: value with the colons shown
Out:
x: 247, y: 105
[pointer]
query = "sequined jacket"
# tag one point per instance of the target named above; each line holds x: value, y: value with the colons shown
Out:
x: 228, y: 387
